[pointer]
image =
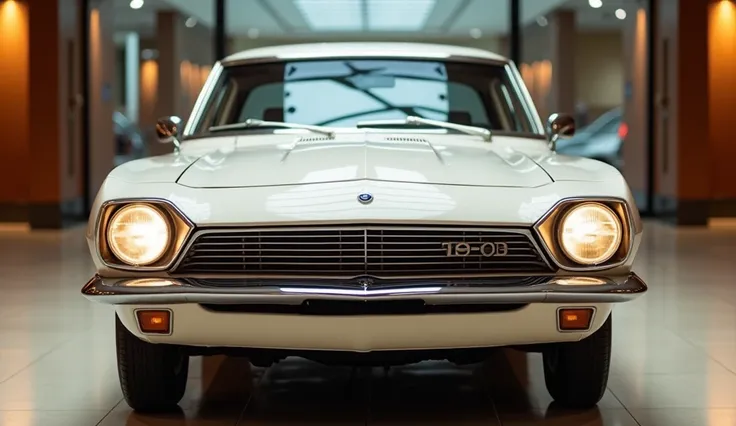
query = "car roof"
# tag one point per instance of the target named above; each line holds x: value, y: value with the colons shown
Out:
x: 362, y: 49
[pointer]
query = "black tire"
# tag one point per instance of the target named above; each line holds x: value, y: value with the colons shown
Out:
x: 576, y: 373
x: 153, y: 377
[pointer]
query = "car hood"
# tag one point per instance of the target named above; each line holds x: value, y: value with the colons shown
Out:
x: 273, y: 160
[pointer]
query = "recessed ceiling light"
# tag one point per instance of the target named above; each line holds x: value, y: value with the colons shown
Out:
x: 136, y: 4
x: 332, y: 15
x: 191, y: 22
x: 253, y: 33
x: 620, y: 14
x: 373, y: 15
x: 390, y: 15
x: 595, y: 3
x: 542, y: 21
x: 476, y: 33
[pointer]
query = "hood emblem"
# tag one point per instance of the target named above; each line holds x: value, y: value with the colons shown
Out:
x: 365, y: 198
x: 365, y: 283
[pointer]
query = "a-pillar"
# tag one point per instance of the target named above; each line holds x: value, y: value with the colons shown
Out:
x: 42, y: 113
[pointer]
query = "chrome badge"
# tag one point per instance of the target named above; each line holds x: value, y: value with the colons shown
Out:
x: 365, y: 198
x: 462, y: 249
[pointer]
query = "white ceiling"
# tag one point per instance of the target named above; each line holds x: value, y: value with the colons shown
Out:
x: 291, y: 18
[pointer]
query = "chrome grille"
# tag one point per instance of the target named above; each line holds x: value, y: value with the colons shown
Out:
x: 347, y: 252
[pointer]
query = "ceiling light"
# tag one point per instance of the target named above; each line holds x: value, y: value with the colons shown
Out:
x: 136, y: 4
x: 476, y: 33
x: 595, y: 4
x: 253, y: 32
x: 332, y: 15
x: 390, y: 15
x: 620, y: 14
x: 542, y: 21
x: 191, y: 22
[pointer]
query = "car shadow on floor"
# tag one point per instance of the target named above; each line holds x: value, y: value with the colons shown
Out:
x: 506, y: 389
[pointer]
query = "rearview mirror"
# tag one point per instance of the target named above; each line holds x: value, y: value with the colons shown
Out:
x: 167, y: 130
x: 559, y: 126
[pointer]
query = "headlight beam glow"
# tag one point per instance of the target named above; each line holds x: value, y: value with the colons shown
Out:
x: 590, y: 233
x: 139, y: 234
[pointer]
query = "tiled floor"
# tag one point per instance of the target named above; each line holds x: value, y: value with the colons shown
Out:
x: 674, y: 358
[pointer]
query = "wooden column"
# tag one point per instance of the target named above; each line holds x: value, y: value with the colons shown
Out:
x: 562, y: 56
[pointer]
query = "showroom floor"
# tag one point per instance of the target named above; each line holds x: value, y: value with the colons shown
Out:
x: 674, y: 357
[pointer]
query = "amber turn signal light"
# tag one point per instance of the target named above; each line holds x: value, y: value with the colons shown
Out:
x: 575, y: 319
x: 154, y: 322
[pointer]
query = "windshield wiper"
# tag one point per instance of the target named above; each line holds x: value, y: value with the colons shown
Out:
x: 252, y: 123
x: 418, y: 121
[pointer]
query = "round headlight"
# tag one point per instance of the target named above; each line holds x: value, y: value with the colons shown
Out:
x: 138, y: 234
x: 590, y: 233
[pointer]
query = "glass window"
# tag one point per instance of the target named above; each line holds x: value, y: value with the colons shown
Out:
x: 342, y: 93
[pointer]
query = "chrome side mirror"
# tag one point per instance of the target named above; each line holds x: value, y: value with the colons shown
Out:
x: 167, y: 131
x: 559, y: 126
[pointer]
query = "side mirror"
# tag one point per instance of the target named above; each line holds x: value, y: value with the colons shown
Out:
x: 559, y: 126
x: 167, y: 130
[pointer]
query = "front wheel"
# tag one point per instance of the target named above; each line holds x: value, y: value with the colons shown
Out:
x: 153, y: 377
x: 576, y: 373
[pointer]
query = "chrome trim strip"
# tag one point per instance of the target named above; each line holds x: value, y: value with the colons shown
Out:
x: 121, y: 267
x: 525, y: 98
x: 124, y: 291
x: 205, y: 95
x: 564, y: 201
x: 315, y: 55
x: 193, y: 238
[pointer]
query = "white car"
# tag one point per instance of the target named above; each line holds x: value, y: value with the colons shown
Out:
x: 378, y: 203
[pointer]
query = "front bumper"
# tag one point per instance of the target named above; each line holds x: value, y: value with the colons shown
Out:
x: 531, y: 289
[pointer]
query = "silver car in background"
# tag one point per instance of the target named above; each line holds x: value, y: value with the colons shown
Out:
x: 600, y: 140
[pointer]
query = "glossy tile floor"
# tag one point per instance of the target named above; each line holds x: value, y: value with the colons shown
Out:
x: 674, y: 360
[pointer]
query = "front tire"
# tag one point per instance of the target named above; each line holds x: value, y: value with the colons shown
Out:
x: 576, y: 373
x: 153, y: 377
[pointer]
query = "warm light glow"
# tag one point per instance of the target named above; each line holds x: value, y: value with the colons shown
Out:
x: 721, y: 84
x: 579, y: 281
x: 538, y: 79
x: 575, y: 319
x: 590, y: 233
x: 204, y: 72
x: 14, y: 87
x: 149, y: 87
x: 138, y: 234
x: 595, y: 3
x: 157, y: 322
x: 151, y: 282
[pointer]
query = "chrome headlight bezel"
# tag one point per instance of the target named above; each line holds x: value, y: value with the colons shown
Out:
x: 548, y: 231
x: 181, y: 229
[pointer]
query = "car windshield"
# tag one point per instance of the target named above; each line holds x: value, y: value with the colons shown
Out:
x: 344, y: 93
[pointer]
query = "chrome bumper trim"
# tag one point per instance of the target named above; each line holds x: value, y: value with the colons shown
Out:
x: 550, y: 289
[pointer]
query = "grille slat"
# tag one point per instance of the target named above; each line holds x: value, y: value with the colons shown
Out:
x: 386, y: 252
